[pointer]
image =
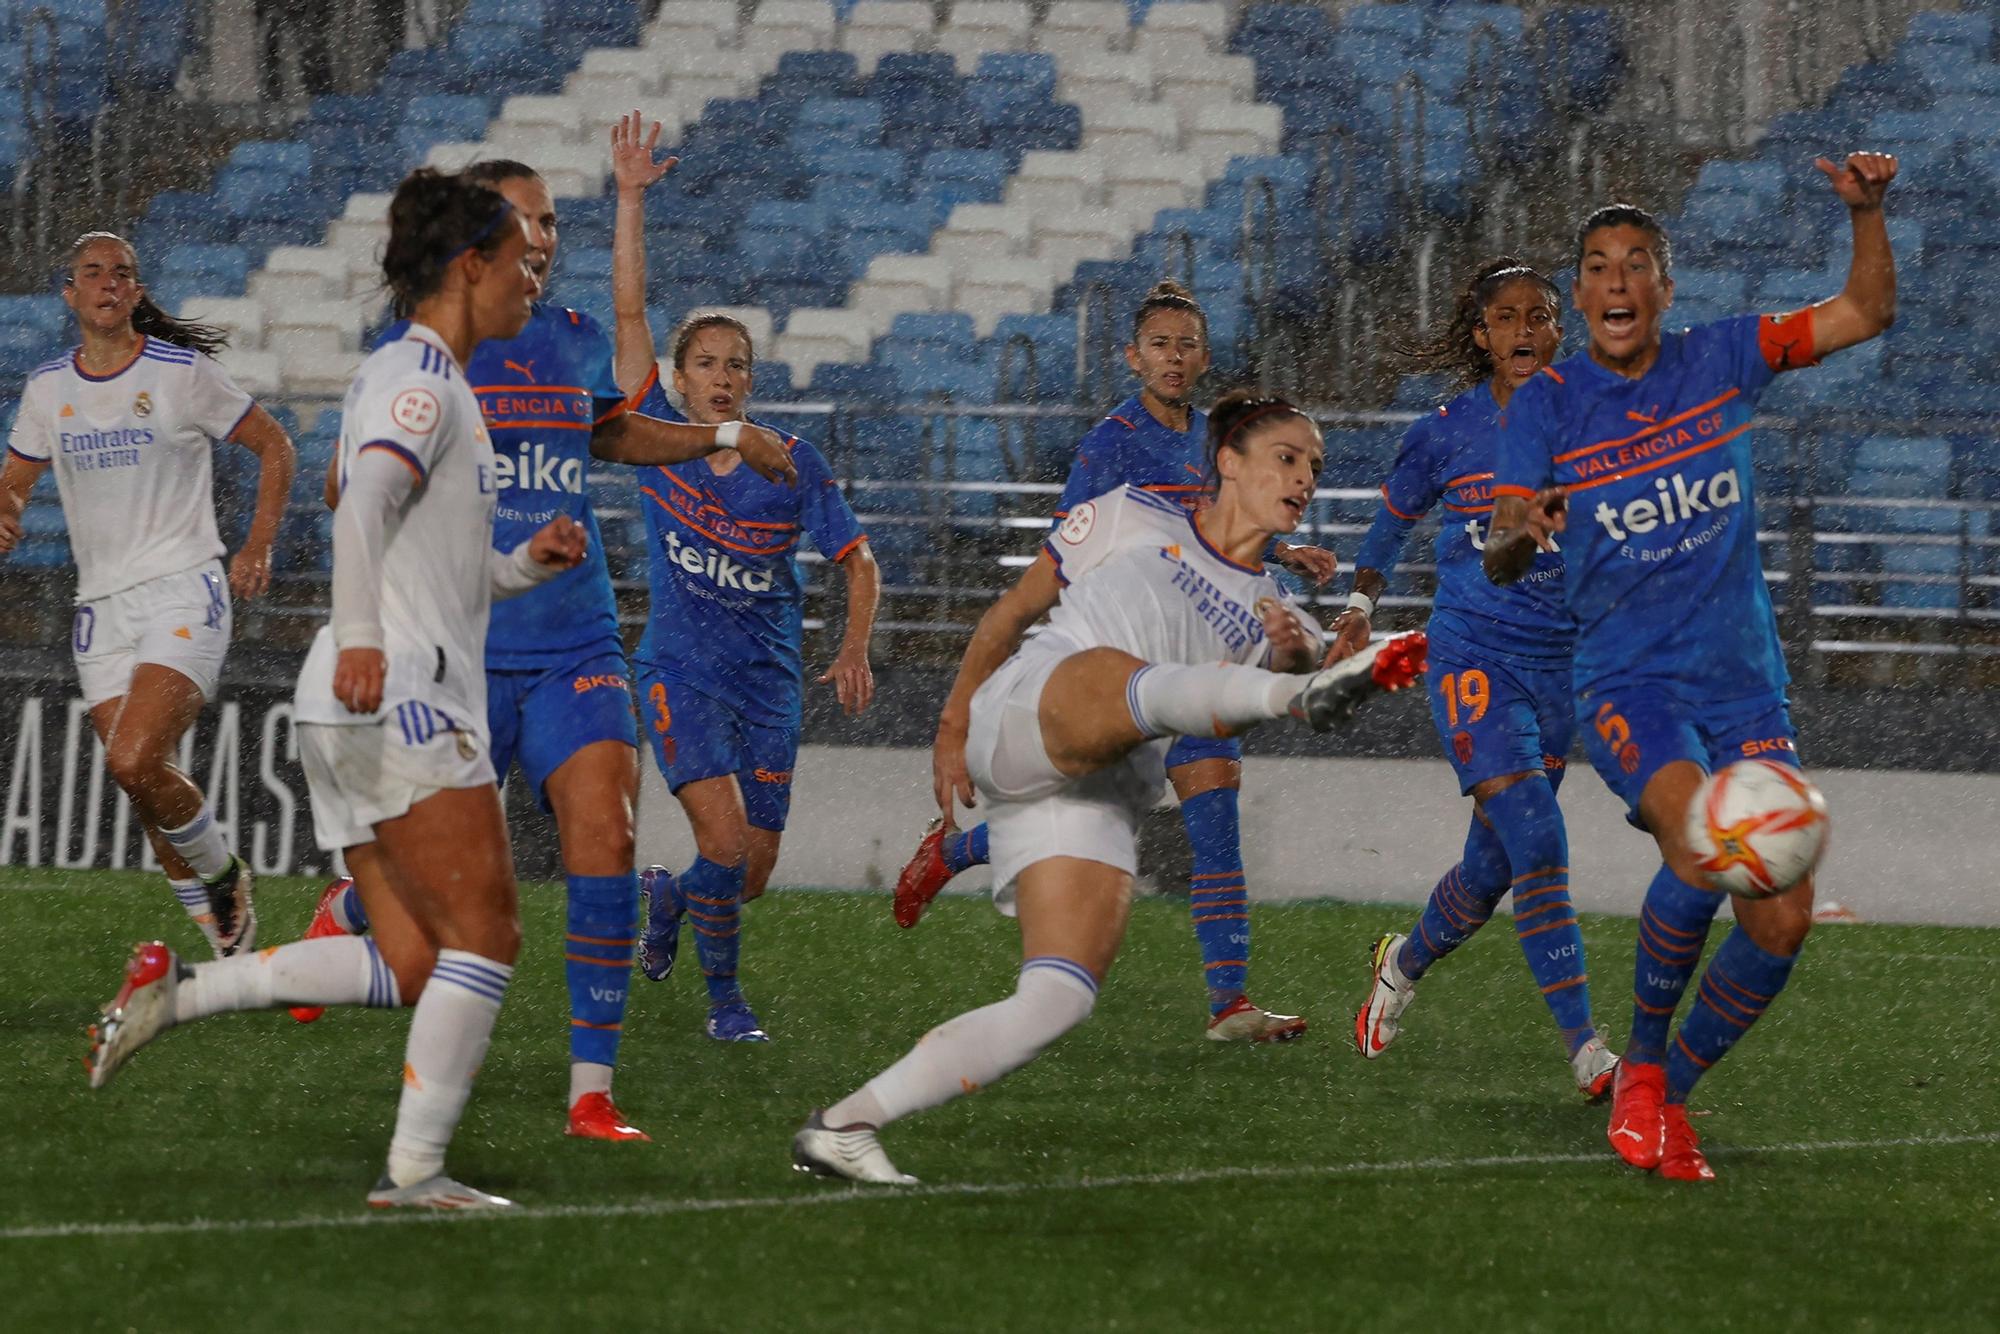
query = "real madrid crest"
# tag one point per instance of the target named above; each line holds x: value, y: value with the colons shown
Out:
x: 142, y: 406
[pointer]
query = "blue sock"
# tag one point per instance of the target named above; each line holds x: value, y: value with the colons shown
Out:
x: 597, y: 960
x: 1460, y: 903
x: 1673, y: 926
x: 1217, y: 899
x: 347, y: 911
x: 714, y: 898
x: 964, y: 849
x: 1528, y: 821
x: 1740, y: 982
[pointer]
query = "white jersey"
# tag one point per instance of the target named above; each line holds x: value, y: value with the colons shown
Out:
x: 410, y: 399
x: 1139, y: 576
x: 132, y: 459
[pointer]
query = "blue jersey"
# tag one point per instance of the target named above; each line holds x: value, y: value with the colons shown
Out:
x: 1664, y: 576
x: 1134, y: 448
x: 727, y: 603
x: 1447, y: 458
x: 542, y: 393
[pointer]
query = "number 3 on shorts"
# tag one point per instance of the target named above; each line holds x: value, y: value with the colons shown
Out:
x: 1470, y: 690
x: 82, y: 628
x: 663, y: 717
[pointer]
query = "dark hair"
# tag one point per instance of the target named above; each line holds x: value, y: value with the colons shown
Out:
x: 1236, y: 412
x: 1451, y: 349
x: 685, y: 331
x: 147, y: 317
x: 1627, y: 215
x: 435, y: 217
x: 1168, y: 295
x: 491, y: 171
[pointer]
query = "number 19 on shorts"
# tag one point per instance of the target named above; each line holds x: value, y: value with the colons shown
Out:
x: 1466, y: 692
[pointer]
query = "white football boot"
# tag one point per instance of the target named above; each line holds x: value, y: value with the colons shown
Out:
x: 1595, y: 1067
x: 847, y: 1151
x: 1331, y: 695
x: 141, y: 1011
x: 438, y: 1192
x: 1389, y: 994
x: 232, y: 898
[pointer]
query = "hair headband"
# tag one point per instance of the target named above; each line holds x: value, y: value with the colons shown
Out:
x: 1254, y: 416
x: 479, y: 237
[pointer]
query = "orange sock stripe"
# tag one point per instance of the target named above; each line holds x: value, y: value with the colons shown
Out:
x: 713, y: 934
x: 1688, y: 1051
x: 1218, y: 875
x: 605, y: 1028
x: 598, y: 940
x: 1548, y: 926
x: 625, y: 962
x: 1647, y: 946
x: 710, y: 917
x: 1682, y: 954
x: 1638, y: 1004
x: 1226, y: 963
x: 1522, y: 896
x: 1546, y: 870
x: 1224, y: 917
x: 1429, y: 944
x: 711, y: 903
x: 1648, y: 915
x: 1520, y: 916
x: 1565, y: 985
x: 1723, y: 1006
x: 1737, y: 987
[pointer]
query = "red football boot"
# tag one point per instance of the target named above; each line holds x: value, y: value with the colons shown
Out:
x: 925, y: 875
x: 1637, y: 1125
x: 595, y: 1116
x: 1681, y: 1158
x: 322, y: 925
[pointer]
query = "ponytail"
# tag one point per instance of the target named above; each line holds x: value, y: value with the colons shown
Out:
x: 147, y: 316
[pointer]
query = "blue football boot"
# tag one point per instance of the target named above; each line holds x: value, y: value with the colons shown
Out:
x: 660, y: 943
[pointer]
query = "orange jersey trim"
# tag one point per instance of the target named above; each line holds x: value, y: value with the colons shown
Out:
x: 717, y: 537
x: 1659, y: 463
x: 1469, y: 477
x: 848, y: 550
x: 1508, y: 489
x: 1674, y: 420
x: 1390, y: 506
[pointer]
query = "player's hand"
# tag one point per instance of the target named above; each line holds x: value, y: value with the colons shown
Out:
x: 10, y: 533
x: 853, y: 679
x: 949, y: 777
x: 1862, y: 180
x: 764, y: 450
x: 1351, y: 630
x: 250, y: 571
x: 1548, y: 514
x: 1291, y: 642
x: 357, y: 678
x: 561, y: 543
x: 632, y: 164
x: 1314, y: 563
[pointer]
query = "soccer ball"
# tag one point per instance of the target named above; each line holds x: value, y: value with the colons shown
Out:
x: 1758, y: 828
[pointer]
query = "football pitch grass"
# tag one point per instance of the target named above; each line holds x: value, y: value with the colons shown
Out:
x: 1136, y: 1177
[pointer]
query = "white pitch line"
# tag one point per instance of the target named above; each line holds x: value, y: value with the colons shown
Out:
x: 654, y: 1208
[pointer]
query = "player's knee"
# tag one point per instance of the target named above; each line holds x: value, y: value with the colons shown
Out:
x: 726, y: 843
x: 1777, y: 927
x: 132, y: 765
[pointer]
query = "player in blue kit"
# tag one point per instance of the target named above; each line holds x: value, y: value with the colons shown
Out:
x: 1499, y: 676
x: 558, y: 702
x: 1678, y: 664
x: 723, y: 719
x: 1156, y: 441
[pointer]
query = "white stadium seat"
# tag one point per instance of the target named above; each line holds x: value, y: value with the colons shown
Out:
x: 789, y: 25
x: 242, y: 316
x: 258, y: 374
x: 977, y: 231
x: 1209, y: 21
x: 1173, y: 51
x: 684, y: 21
x: 896, y: 283
x: 1104, y: 76
x: 997, y: 287
x: 1083, y: 25
x: 1050, y: 181
x: 294, y: 276
x: 975, y: 27
x: 813, y: 336
x: 1114, y: 129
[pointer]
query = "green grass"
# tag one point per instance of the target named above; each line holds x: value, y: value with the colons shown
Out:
x: 1364, y: 1195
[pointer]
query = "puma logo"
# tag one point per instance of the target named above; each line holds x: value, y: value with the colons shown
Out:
x: 525, y: 369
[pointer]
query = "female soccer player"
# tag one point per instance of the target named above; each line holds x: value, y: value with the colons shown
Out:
x: 1678, y: 665
x: 128, y: 419
x: 1499, y: 675
x: 392, y: 700
x: 1162, y: 623
x: 557, y: 698
x: 1156, y: 441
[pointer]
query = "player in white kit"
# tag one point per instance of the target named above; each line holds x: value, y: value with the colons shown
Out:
x: 1161, y: 623
x: 128, y: 419
x: 392, y: 700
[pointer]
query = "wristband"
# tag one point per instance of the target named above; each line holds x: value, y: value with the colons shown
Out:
x: 1362, y: 603
x: 726, y: 435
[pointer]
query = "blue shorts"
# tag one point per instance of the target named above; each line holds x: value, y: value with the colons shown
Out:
x: 1635, y: 728
x: 1495, y: 719
x: 543, y: 716
x: 696, y: 737
x: 1188, y: 749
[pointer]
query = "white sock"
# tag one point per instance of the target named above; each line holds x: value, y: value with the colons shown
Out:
x: 193, y: 895
x: 199, y: 842
x: 333, y: 970
x: 588, y: 1077
x: 1169, y: 700
x: 449, y: 1031
x: 965, y: 1054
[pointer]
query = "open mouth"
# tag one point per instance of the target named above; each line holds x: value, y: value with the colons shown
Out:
x: 1296, y: 507
x: 1524, y: 361
x: 721, y: 403
x: 1620, y: 320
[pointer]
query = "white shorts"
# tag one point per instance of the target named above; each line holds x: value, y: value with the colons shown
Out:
x: 359, y: 775
x: 1033, y: 810
x: 178, y: 620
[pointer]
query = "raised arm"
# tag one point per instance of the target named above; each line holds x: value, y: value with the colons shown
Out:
x: 1866, y: 306
x: 635, y: 171
x: 277, y: 460
x: 649, y: 442
x: 998, y: 634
